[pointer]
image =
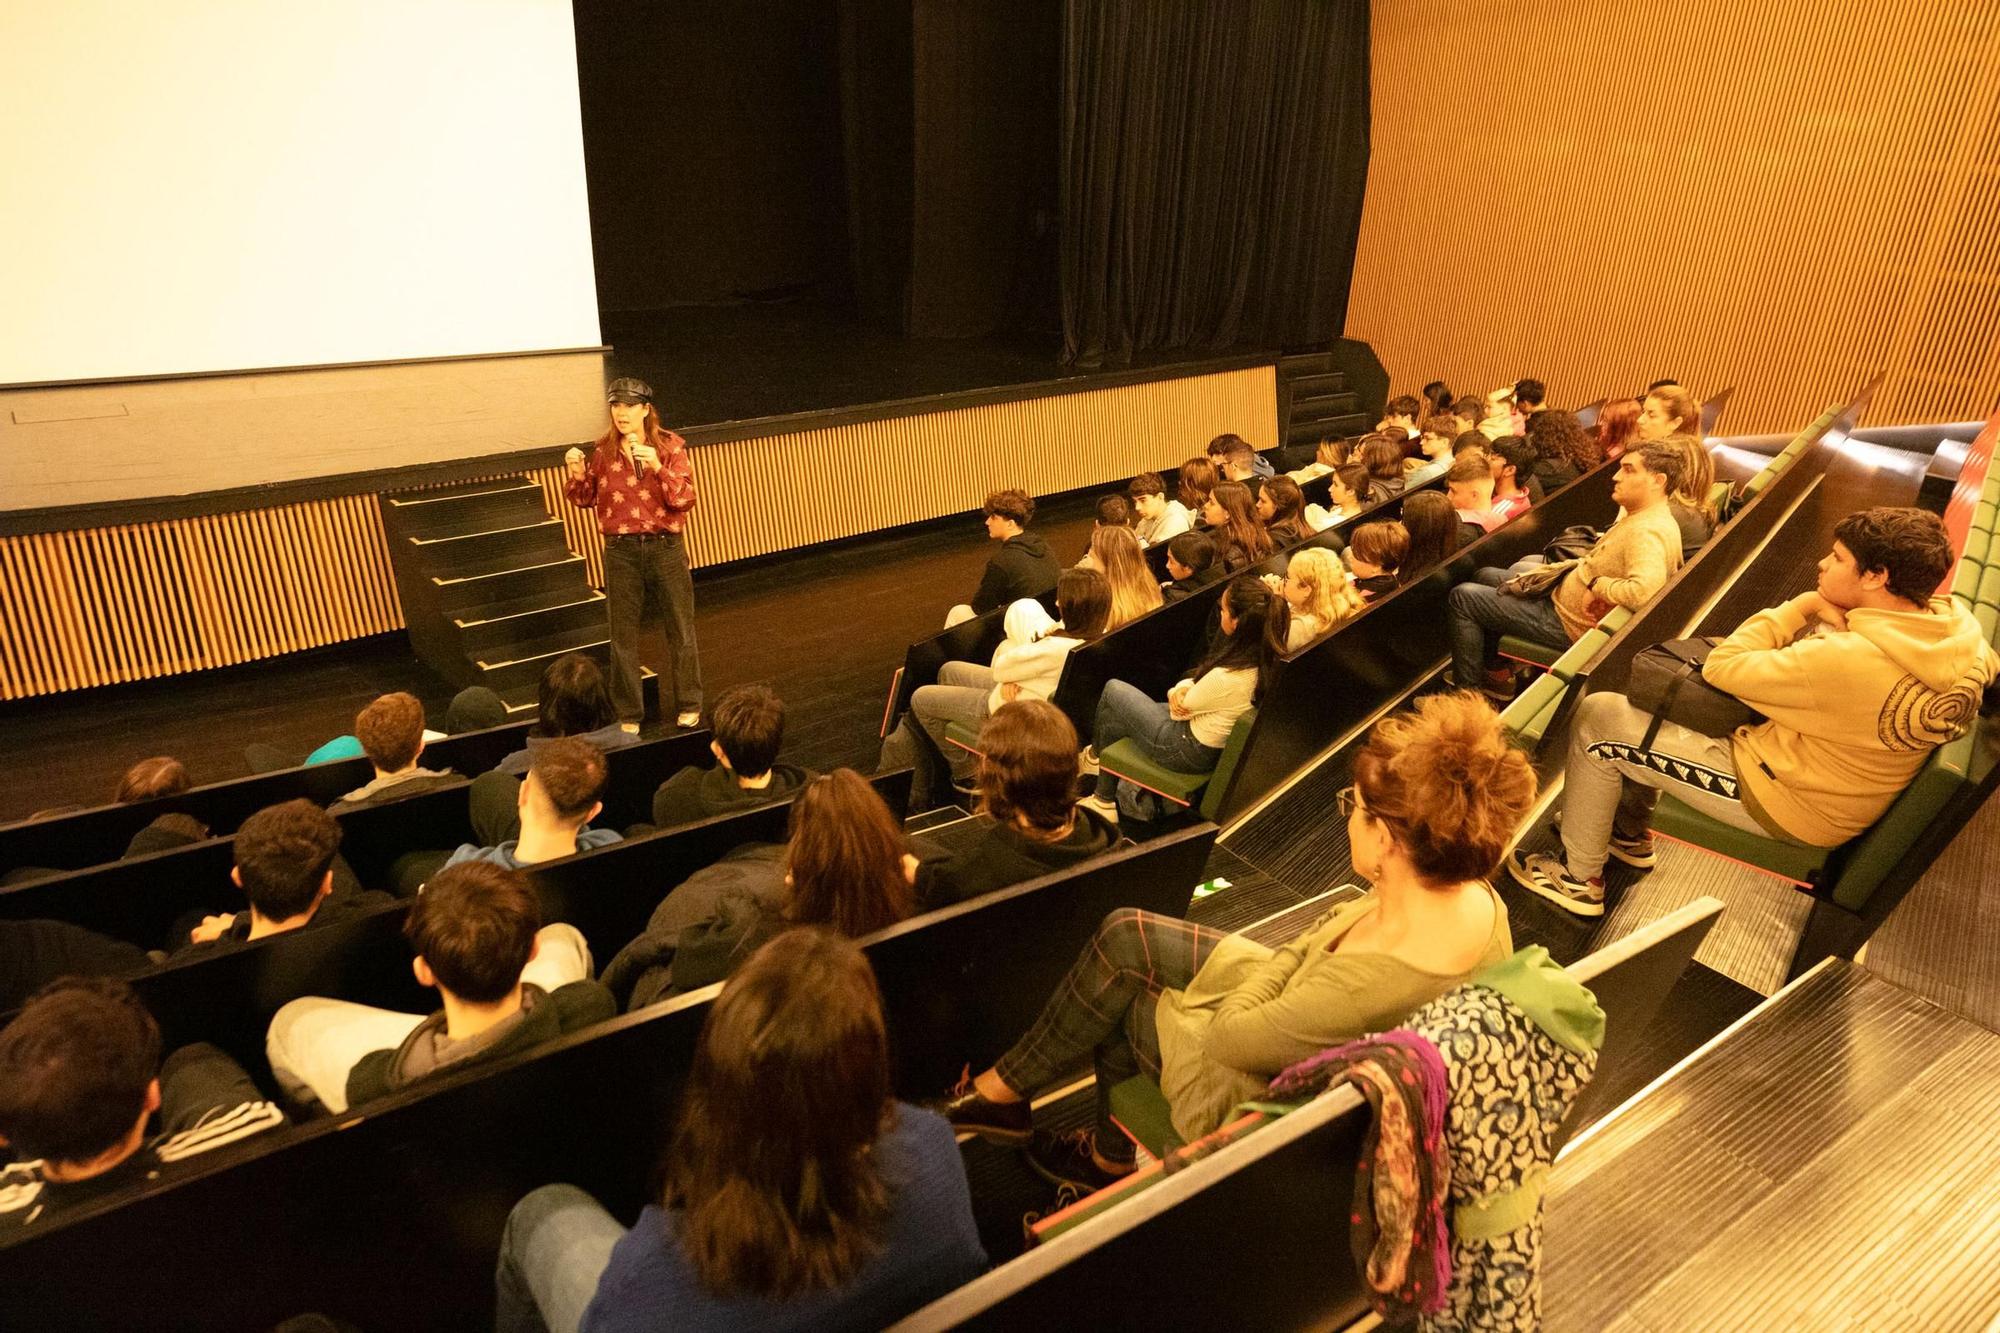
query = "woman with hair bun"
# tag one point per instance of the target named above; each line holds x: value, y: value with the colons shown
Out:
x: 1437, y: 793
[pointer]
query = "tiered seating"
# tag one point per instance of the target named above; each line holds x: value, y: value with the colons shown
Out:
x: 1279, y: 1199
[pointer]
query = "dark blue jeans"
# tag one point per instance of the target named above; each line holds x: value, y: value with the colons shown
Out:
x: 1126, y: 712
x: 646, y: 578
x: 1479, y: 613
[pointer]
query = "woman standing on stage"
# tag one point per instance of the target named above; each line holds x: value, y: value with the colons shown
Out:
x: 641, y: 483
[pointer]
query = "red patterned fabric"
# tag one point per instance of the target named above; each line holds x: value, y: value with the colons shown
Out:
x: 628, y: 503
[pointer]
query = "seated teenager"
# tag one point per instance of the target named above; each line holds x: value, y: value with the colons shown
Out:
x: 552, y: 806
x: 1399, y: 417
x: 285, y: 866
x: 1027, y: 804
x: 507, y: 983
x: 89, y: 1110
x: 1028, y: 664
x: 1564, y: 450
x: 1281, y: 508
x: 1348, y: 491
x: 1113, y: 511
x: 574, y: 700
x: 1023, y: 565
x: 1858, y: 680
x: 1157, y: 519
x: 1188, y: 731
x: 1197, y: 478
x: 1497, y: 416
x: 34, y: 953
x: 148, y: 780
x: 1376, y: 555
x: 1468, y: 484
x: 1436, y: 398
x: 1618, y: 426
x: 1231, y: 520
x: 474, y: 708
x: 1328, y: 454
x: 1116, y: 553
x: 848, y: 868
x: 842, y: 1210
x: 1515, y: 488
x: 749, y: 726
x: 1530, y: 396
x: 1435, y: 532
x: 1236, y: 460
x: 1435, y: 444
x: 1468, y: 410
x: 1671, y: 419
x: 1628, y: 565
x: 1437, y: 793
x: 391, y: 732
x: 1191, y: 564
x: 1318, y: 591
x: 1382, y: 457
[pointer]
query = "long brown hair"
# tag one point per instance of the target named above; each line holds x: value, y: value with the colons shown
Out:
x: 1197, y: 479
x: 1240, y: 526
x: 770, y: 1163
x: 655, y: 432
x: 1027, y: 766
x: 1134, y: 589
x: 846, y: 858
x: 1287, y: 524
x: 1433, y: 527
x: 1616, y: 422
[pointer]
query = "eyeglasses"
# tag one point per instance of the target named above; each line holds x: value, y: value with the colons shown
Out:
x: 1349, y: 800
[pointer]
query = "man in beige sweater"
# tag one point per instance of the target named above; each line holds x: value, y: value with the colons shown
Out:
x: 1627, y: 567
x: 1859, y: 680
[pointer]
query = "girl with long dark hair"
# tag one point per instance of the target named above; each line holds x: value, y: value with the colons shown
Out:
x: 1231, y: 518
x: 1281, y: 506
x: 1434, y: 531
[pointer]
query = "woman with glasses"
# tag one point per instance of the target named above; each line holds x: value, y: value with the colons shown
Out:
x: 1437, y: 793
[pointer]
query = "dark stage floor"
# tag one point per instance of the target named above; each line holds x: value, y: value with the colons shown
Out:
x: 714, y: 364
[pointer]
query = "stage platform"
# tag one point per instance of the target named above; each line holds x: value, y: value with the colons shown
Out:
x: 153, y: 528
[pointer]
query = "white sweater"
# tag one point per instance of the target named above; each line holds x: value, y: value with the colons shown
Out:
x: 1169, y: 525
x: 1030, y: 657
x: 1216, y: 700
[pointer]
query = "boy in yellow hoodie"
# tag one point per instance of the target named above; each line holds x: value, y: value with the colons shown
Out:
x: 1858, y: 680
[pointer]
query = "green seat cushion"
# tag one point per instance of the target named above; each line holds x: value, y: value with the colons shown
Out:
x: 1571, y: 663
x: 1532, y: 706
x: 1615, y: 619
x: 1753, y: 487
x: 1790, y: 860
x: 1989, y: 587
x: 1965, y: 583
x: 1982, y: 515
x: 1976, y: 544
x: 1991, y: 490
x: 1527, y: 650
x: 1989, y: 620
x: 1718, y: 495
x: 1127, y: 761
x: 1883, y: 847
x: 1141, y: 1110
x: 1225, y: 765
x: 964, y: 734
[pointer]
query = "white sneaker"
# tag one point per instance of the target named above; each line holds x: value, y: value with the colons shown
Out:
x: 688, y: 720
x: 1102, y: 805
x: 1086, y: 762
x: 629, y: 728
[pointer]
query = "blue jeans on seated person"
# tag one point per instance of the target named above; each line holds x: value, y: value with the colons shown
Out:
x: 1478, y: 614
x: 557, y: 1245
x: 1125, y: 712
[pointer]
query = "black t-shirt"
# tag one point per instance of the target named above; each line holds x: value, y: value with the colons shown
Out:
x: 206, y: 1102
x: 34, y: 953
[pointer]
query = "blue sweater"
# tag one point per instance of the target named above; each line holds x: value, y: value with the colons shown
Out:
x: 930, y: 1247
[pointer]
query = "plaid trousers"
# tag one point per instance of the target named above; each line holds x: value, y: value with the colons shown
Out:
x: 1105, y: 1008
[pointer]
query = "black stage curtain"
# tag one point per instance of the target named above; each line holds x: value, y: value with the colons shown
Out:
x: 877, y: 127
x: 1213, y: 163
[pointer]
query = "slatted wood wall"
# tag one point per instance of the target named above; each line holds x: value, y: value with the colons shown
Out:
x: 1782, y: 197
x: 108, y: 605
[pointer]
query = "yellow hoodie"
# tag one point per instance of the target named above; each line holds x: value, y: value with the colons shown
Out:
x: 1853, y: 714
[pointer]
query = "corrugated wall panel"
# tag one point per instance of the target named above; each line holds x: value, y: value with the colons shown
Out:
x: 1785, y: 199
x: 106, y: 605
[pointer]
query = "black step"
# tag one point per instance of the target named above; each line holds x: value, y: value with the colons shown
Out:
x: 559, y: 578
x: 1322, y: 405
x: 503, y: 502
x: 520, y: 660
x: 1309, y: 432
x: 1305, y: 363
x: 500, y: 548
x: 1330, y: 382
x: 487, y: 628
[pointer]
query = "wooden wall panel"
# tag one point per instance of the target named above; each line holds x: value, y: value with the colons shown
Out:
x: 1782, y: 197
x: 107, y: 605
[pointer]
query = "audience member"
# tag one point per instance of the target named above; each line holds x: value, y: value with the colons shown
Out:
x: 1376, y: 555
x: 1191, y: 564
x: 573, y: 701
x: 1529, y: 396
x: 1329, y: 454
x: 1468, y: 411
x: 550, y: 810
x: 848, y: 868
x: 1158, y: 518
x: 1188, y: 731
x: 1022, y: 567
x: 1113, y: 512
x: 149, y: 779
x: 1436, y: 443
x: 1348, y: 491
x: 1564, y: 450
x: 285, y: 866
x: 1197, y: 478
x: 1434, y: 529
x: 1319, y: 593
x: 749, y: 725
x: 1399, y: 417
x: 1028, y: 664
x: 1231, y: 518
x: 1281, y: 508
x: 34, y: 953
x: 1382, y: 456
x: 391, y: 732
x: 1468, y: 485
x: 1497, y: 416
x: 798, y: 1194
x: 507, y: 982
x: 475, y: 708
x: 1514, y: 485
x: 1672, y: 419
x: 1116, y: 553
x: 1027, y: 806
x: 1236, y: 460
x: 1437, y: 794
x: 1437, y: 399
x: 1617, y: 426
x: 1627, y: 566
x: 1857, y: 681
x: 81, y: 1083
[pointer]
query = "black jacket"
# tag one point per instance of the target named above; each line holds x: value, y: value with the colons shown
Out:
x: 645, y: 970
x: 1201, y: 578
x: 700, y: 793
x: 1022, y: 567
x: 1003, y: 857
x: 34, y: 953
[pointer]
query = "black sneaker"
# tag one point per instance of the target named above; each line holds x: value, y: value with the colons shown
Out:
x: 1065, y: 1160
x: 1009, y: 1124
x: 1639, y: 853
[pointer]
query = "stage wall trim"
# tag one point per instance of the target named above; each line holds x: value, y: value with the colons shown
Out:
x: 1777, y: 197
x: 134, y: 601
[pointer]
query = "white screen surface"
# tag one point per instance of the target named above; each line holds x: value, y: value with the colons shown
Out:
x: 206, y: 185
